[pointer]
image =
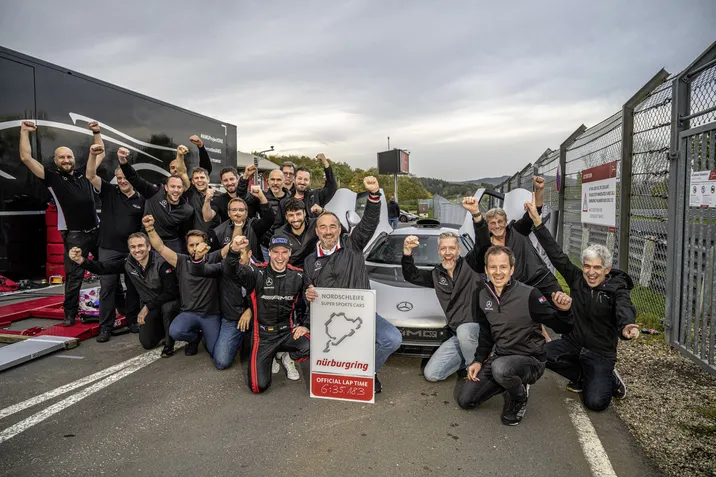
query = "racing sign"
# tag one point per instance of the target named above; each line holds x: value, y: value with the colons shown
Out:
x: 599, y: 194
x: 703, y: 189
x: 343, y: 344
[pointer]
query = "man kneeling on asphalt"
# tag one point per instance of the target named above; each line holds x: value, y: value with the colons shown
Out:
x: 510, y: 315
x: 603, y: 313
x: 199, y: 298
x: 274, y: 289
x: 156, y: 283
x: 454, y: 283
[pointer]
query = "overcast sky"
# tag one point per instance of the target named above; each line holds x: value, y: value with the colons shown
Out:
x: 471, y: 88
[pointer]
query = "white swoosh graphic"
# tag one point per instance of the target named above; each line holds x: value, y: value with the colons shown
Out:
x: 145, y: 166
x: 74, y: 117
x: 5, y: 175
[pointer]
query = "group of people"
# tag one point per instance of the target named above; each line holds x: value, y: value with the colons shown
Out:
x: 218, y: 267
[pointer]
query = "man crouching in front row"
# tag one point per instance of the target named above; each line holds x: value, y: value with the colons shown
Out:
x: 511, y: 315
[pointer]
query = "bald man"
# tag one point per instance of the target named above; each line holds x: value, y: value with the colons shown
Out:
x: 76, y: 211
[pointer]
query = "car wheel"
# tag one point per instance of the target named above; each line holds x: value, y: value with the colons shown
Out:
x: 403, y: 218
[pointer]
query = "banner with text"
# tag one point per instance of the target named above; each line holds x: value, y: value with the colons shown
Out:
x: 703, y: 189
x: 599, y: 195
x: 343, y: 344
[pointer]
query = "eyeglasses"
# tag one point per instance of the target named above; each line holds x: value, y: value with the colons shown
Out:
x: 289, y: 174
x: 237, y: 210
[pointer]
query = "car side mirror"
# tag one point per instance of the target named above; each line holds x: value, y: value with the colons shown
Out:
x: 352, y: 218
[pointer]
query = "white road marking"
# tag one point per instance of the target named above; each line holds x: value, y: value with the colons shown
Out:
x: 592, y: 447
x: 137, y: 363
x: 69, y: 357
x: 21, y: 406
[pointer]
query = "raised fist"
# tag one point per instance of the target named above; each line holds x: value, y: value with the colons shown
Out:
x: 471, y: 205
x: 75, y: 254
x: 562, y: 301
x: 148, y: 221
x: 96, y: 149
x: 123, y: 155
x: 249, y: 171
x: 201, y: 250
x: 209, y: 193
x: 322, y: 159
x: 411, y: 241
x: 371, y: 184
x: 316, y: 209
x: 28, y: 126
x: 94, y: 126
x: 538, y: 183
x: 182, y: 150
x: 196, y: 140
x: 239, y: 243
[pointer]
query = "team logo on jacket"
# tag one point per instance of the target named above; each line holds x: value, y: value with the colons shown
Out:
x: 137, y: 207
x: 163, y: 203
x: 318, y: 265
x: 269, y: 282
x: 227, y: 240
x: 488, y: 306
x: 542, y: 299
x: 443, y: 281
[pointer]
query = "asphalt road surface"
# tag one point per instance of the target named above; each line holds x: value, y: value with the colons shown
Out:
x: 179, y: 416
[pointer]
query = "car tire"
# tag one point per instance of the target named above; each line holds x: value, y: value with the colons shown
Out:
x: 403, y: 218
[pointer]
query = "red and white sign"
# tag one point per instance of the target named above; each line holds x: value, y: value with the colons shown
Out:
x: 343, y: 344
x: 702, y: 192
x: 599, y: 195
x: 404, y: 162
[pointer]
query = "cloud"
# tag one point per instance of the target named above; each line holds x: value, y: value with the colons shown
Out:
x: 470, y: 88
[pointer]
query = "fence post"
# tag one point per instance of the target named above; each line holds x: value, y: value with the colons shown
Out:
x: 563, y: 168
x: 627, y: 156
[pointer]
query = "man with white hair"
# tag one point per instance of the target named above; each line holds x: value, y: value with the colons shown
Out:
x: 603, y: 313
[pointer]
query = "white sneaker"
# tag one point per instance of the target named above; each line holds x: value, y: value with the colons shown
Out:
x: 291, y: 371
x: 275, y: 367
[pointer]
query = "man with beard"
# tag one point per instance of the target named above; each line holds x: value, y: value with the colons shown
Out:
x: 76, y: 213
x: 156, y: 284
x: 199, y: 312
x: 121, y: 216
x: 604, y: 313
x: 454, y: 282
x: 510, y: 355
x: 219, y: 206
x: 311, y: 197
x: 300, y: 231
x: 172, y: 214
x: 338, y: 262
x: 274, y: 288
x: 239, y: 222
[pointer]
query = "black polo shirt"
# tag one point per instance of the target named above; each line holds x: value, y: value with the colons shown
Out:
x: 121, y: 216
x: 74, y: 196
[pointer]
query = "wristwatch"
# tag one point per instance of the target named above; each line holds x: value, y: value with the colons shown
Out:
x: 477, y: 214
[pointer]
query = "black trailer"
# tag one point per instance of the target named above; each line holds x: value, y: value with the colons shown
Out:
x: 61, y: 102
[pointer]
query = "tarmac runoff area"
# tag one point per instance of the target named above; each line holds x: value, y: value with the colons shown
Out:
x: 115, y: 409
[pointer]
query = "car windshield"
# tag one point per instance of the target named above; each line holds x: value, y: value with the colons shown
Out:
x: 389, y: 250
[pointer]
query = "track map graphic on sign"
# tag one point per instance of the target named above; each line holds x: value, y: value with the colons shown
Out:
x: 339, y: 327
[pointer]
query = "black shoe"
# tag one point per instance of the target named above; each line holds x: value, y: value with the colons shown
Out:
x: 516, y: 410
x: 168, y: 351
x: 461, y: 374
x: 104, y: 336
x: 133, y: 328
x: 69, y: 321
x: 575, y: 386
x: 191, y: 348
x: 378, y: 385
x: 620, y: 390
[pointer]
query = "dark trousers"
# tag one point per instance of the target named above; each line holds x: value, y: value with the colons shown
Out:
x: 156, y: 325
x: 499, y: 374
x: 264, y: 346
x: 111, y: 294
x: 74, y: 274
x: 580, y: 364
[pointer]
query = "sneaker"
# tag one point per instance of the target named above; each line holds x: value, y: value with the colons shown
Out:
x: 290, y: 365
x: 69, y: 321
x: 515, y: 411
x: 378, y: 385
x: 192, y: 348
x: 275, y: 367
x: 167, y: 351
x: 134, y: 328
x: 574, y: 386
x: 104, y: 336
x: 620, y: 390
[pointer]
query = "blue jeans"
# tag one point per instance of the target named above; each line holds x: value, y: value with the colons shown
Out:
x: 393, y: 222
x: 227, y: 344
x: 456, y: 353
x: 594, y: 370
x: 186, y: 326
x: 387, y: 340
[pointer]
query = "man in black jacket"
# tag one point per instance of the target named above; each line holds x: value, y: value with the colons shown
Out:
x: 274, y: 288
x: 300, y: 231
x: 172, y: 213
x: 275, y: 194
x: 510, y: 315
x: 156, y: 283
x: 603, y: 314
x: 239, y: 222
x: 338, y: 262
x: 393, y: 212
x: 454, y: 283
x: 312, y: 197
